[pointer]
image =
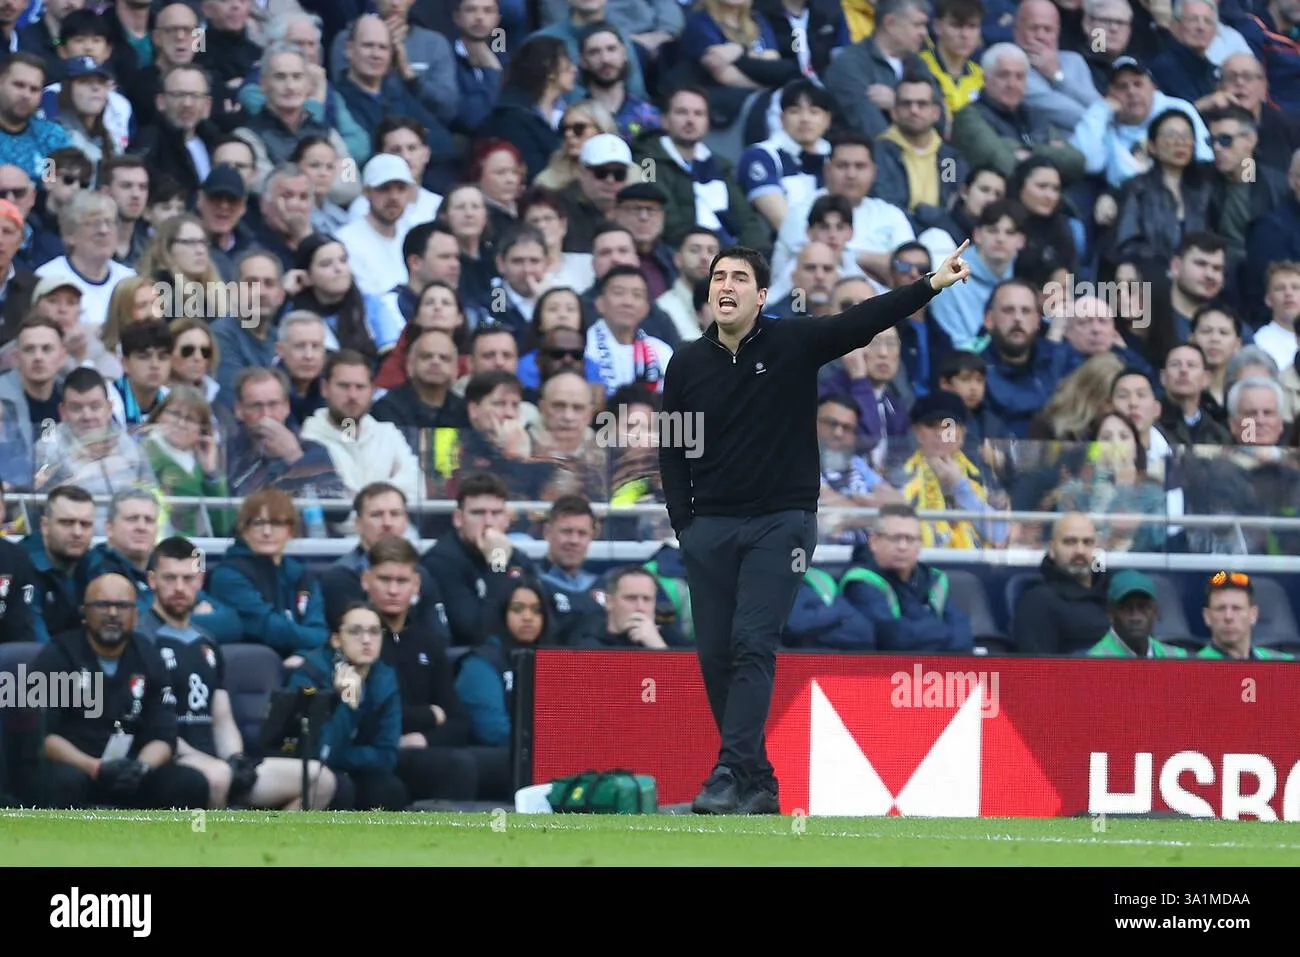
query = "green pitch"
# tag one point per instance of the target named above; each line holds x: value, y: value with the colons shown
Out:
x: 216, y: 838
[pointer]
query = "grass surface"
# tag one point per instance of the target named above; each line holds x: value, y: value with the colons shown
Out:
x: 219, y: 839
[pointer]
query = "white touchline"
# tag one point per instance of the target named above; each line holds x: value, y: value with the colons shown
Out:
x: 778, y: 828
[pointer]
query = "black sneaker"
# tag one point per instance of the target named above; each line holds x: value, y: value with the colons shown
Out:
x: 760, y: 799
x: 720, y: 795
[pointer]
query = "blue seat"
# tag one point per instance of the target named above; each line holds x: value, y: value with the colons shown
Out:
x: 1016, y: 586
x: 252, y: 672
x: 1276, y: 627
x: 967, y: 591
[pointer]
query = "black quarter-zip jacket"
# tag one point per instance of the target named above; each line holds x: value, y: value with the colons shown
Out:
x: 754, y: 450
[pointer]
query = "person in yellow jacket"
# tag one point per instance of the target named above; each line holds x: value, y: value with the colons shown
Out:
x: 956, y: 26
x: 860, y: 15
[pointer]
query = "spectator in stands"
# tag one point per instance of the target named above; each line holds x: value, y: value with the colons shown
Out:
x: 612, y: 245
x: 998, y: 238
x: 17, y: 616
x: 324, y: 282
x: 1186, y: 420
x: 905, y: 600
x: 171, y: 42
x: 640, y: 208
x: 432, y: 760
x: 1065, y: 613
x: 477, y: 563
x: 918, y: 171
x: 563, y: 349
x: 538, y: 78
x: 267, y: 452
x: 1112, y: 131
x: 425, y: 400
x: 431, y: 254
x: 137, y: 699
x: 939, y: 476
x: 480, y: 60
x: 221, y: 206
x: 362, y: 449
x: 88, y: 225
x: 604, y: 65
x: 691, y: 261
x: 1244, y: 191
x: 26, y: 138
x: 573, y: 591
x: 580, y: 122
x: 1077, y: 401
x: 1133, y: 609
x: 56, y: 553
x: 363, y: 735
x: 42, y: 37
x: 956, y: 28
x: 180, y: 139
x: 88, y: 448
x: 878, y: 228
x: 1087, y: 326
x: 701, y: 187
x: 521, y: 267
x: 1059, y: 87
x: 1242, y: 82
x: 485, y: 679
x: 870, y: 65
x: 183, y: 444
x: 208, y: 738
x: 631, y: 597
x: 381, y: 512
x: 439, y: 310
x: 285, y: 206
x: 1231, y: 613
x: 847, y: 481
x: 31, y: 393
x: 998, y: 130
x: 279, y: 602
x: 302, y: 345
x: 147, y: 363
x: 1133, y: 396
x: 830, y: 223
x: 1282, y: 298
x: 69, y: 173
x: 815, y: 275
x: 867, y: 375
x: 1255, y: 411
x: 1024, y: 368
x: 545, y: 211
x: 1217, y: 330
x: 464, y: 212
x: 965, y: 374
x: 404, y: 137
x: 564, y: 442
x: 37, y: 244
x: 570, y: 30
x: 623, y: 350
x: 374, y: 241
x: 1197, y: 269
x: 785, y: 169
x: 126, y: 180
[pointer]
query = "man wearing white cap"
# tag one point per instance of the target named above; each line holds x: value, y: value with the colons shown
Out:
x: 374, y: 242
x: 58, y: 297
x: 604, y: 168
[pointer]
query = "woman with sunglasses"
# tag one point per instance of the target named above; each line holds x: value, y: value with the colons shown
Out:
x: 580, y: 122
x: 194, y: 356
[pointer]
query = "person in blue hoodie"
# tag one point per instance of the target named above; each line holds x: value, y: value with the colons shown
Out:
x: 360, y: 741
x: 485, y: 676
x: 279, y: 604
x: 906, y: 600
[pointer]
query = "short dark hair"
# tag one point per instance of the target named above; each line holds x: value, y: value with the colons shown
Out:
x: 37, y: 321
x: 956, y: 361
x: 393, y: 549
x: 483, y: 384
x: 823, y: 206
x: 1206, y: 242
x: 149, y: 334
x: 615, y: 578
x: 73, y: 493
x: 844, y: 401
x: 1185, y: 345
x: 374, y: 490
x: 84, y: 379
x: 393, y: 123
x: 344, y: 357
x: 896, y: 510
x: 417, y: 239
x: 178, y: 548
x: 481, y: 483
x: 1000, y: 209
x: 1020, y: 281
x: 1125, y: 373
x: 1219, y: 307
x: 570, y: 505
x: 752, y: 258
x: 84, y: 23
x: 619, y: 272
x: 852, y: 138
x: 805, y: 90
x: 27, y: 58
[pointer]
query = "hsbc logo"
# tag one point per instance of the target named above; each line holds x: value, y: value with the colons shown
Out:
x: 1246, y: 786
x: 843, y: 781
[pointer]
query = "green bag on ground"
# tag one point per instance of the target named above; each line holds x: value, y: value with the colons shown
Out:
x: 604, y: 792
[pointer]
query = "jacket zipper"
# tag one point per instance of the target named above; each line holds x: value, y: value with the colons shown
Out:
x: 735, y: 355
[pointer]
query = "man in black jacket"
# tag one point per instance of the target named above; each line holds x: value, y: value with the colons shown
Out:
x: 741, y: 475
x: 116, y: 745
x: 433, y: 761
x: 1066, y: 612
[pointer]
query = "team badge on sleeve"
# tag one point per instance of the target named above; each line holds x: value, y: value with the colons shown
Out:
x: 209, y: 656
x: 137, y: 686
x: 303, y: 598
x: 5, y: 581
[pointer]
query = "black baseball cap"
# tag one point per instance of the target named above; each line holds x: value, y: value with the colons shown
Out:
x: 1123, y: 63
x: 939, y: 406
x: 224, y: 180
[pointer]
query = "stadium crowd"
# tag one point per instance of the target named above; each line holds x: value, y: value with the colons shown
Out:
x: 321, y: 262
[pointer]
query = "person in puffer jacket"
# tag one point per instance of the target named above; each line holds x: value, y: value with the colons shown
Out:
x: 823, y: 618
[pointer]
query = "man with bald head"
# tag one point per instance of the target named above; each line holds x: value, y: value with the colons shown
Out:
x: 816, y: 270
x: 1060, y: 82
x: 1088, y: 326
x: 1065, y: 612
x: 563, y: 435
x: 114, y: 741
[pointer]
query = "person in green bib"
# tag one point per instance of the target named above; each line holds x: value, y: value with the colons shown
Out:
x: 1231, y: 614
x: 1133, y: 609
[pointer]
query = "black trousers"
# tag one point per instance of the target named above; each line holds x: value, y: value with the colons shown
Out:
x: 368, y: 791
x: 170, y: 786
x: 438, y: 773
x: 744, y: 574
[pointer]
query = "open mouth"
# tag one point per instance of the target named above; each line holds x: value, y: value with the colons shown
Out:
x: 726, y: 302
